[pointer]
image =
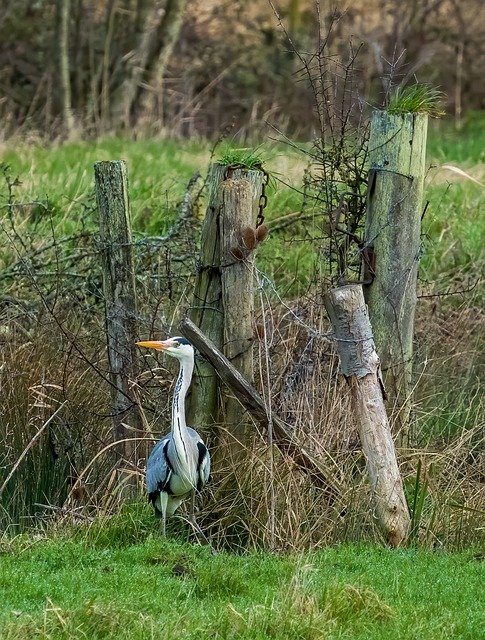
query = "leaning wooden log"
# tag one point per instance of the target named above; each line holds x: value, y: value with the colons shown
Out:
x: 360, y: 365
x: 253, y: 403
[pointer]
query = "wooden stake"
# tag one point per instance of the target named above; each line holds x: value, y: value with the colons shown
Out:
x: 360, y: 365
x: 240, y: 198
x: 397, y: 149
x: 223, y: 298
x: 206, y: 311
x: 111, y: 184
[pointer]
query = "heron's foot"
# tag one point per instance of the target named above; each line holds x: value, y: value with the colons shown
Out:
x: 203, y: 539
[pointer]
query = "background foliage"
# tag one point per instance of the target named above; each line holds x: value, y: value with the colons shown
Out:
x: 185, y: 67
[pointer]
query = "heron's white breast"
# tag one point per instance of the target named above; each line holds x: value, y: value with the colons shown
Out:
x: 180, y: 486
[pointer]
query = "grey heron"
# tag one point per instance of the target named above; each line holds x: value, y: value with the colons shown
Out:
x: 179, y: 464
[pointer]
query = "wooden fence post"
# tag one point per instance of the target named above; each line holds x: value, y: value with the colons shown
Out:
x: 240, y: 200
x: 397, y: 149
x: 360, y: 365
x: 223, y: 305
x: 111, y: 184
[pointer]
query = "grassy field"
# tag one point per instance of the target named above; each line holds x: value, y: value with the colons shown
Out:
x: 59, y: 180
x: 80, y: 587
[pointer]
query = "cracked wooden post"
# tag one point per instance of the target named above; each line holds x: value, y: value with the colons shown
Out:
x: 111, y: 183
x: 223, y: 299
x: 206, y: 310
x: 397, y: 149
x: 240, y: 204
x: 360, y: 365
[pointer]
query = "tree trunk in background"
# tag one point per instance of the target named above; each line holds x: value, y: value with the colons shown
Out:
x: 294, y: 17
x: 63, y: 16
x: 78, y: 78
x: 124, y: 95
x: 397, y: 150
x: 152, y: 98
x: 157, y: 28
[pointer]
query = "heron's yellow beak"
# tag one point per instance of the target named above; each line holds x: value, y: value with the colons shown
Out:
x: 161, y: 345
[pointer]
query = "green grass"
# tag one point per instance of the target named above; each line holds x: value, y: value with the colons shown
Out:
x: 466, y: 145
x: 81, y: 587
x: 60, y: 179
x: 158, y: 175
x: 454, y: 224
x: 416, y: 98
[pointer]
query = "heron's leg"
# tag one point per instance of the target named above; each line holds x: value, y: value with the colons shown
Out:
x: 163, y: 509
x: 194, y: 522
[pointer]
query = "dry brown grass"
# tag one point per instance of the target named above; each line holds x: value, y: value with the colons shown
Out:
x: 55, y: 353
x: 263, y: 501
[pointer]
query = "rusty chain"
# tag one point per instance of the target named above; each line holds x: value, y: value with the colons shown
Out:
x: 263, y: 199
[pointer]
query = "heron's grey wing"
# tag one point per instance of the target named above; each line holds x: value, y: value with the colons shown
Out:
x: 204, y: 460
x: 204, y: 465
x: 158, y: 470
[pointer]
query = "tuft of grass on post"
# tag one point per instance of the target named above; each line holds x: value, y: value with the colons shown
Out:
x: 417, y: 98
x: 244, y: 158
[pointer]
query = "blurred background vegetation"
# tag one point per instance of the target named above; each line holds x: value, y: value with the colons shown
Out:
x: 184, y: 67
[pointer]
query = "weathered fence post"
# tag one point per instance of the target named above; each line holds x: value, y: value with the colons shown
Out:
x: 240, y: 200
x: 223, y: 305
x: 360, y: 365
x: 111, y: 184
x: 397, y: 149
x: 206, y: 310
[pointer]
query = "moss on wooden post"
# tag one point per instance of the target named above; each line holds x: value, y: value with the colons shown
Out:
x: 111, y: 184
x: 397, y: 149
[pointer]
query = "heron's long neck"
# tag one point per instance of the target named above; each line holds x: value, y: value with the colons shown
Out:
x: 179, y: 426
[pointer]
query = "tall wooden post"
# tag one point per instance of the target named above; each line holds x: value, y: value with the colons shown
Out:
x: 111, y: 184
x: 360, y: 365
x: 240, y: 200
x: 223, y: 305
x: 206, y: 311
x: 397, y: 149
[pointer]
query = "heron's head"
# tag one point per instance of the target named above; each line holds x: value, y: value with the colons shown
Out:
x: 179, y: 348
